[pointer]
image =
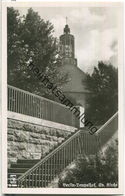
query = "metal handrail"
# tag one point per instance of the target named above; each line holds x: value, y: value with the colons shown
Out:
x: 35, y: 95
x: 103, y: 126
x: 77, y: 138
x: 24, y: 102
x: 49, y: 155
x: 84, y: 143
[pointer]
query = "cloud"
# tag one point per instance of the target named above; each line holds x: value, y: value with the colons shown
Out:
x: 100, y: 47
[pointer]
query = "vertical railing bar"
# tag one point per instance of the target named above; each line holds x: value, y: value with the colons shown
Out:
x: 50, y: 169
x: 28, y: 181
x: 12, y: 101
x: 73, y: 148
x: 26, y: 111
x: 87, y: 142
x: 42, y: 169
x: 64, y: 157
x: 32, y: 179
x: 81, y: 136
x: 40, y: 110
x: 34, y: 98
x: 45, y: 175
x: 23, y: 105
x: 59, y: 161
x: 35, y: 183
x: 22, y: 102
x: 39, y: 176
x: 48, y: 172
x: 55, y: 165
x: 17, y: 102
x: 71, y: 151
x: 67, y: 154
x: 37, y: 108
x: 29, y: 105
x: 79, y: 144
x: 25, y: 182
x: 8, y: 105
x: 32, y: 105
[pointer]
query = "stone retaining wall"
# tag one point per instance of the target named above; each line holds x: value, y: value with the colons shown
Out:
x: 31, y: 141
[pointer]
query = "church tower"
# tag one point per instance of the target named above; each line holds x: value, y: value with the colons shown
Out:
x: 67, y: 47
x: 75, y: 88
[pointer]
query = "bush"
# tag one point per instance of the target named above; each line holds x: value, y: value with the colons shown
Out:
x: 99, y: 168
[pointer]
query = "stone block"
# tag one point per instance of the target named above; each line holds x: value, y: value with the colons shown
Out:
x: 22, y: 146
x: 12, y: 154
x: 10, y: 137
x: 54, y: 138
x: 34, y: 141
x: 42, y: 136
x: 34, y: 135
x: 14, y: 124
x: 10, y: 131
x: 46, y: 130
x: 21, y: 136
x: 28, y: 127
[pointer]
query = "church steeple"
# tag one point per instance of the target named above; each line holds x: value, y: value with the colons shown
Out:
x: 67, y: 45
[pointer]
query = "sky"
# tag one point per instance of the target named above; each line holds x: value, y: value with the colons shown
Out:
x: 95, y: 30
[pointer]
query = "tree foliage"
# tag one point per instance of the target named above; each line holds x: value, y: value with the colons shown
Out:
x: 103, y: 100
x: 100, y: 168
x: 30, y: 38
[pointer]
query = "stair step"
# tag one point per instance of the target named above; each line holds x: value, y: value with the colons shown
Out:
x: 35, y: 184
x: 17, y: 175
x: 17, y: 170
x: 22, y: 165
x: 27, y: 161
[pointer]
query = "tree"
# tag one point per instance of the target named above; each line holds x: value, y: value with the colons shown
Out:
x: 103, y: 85
x: 30, y: 38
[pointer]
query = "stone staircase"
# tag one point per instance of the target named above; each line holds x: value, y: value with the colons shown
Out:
x: 40, y: 173
x: 23, y: 165
x: 20, y: 167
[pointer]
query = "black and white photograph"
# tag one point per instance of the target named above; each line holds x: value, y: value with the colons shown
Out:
x: 62, y: 95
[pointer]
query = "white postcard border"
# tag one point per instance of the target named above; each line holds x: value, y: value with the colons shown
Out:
x: 4, y: 102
